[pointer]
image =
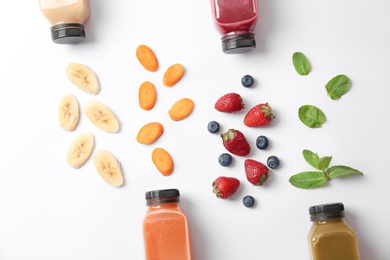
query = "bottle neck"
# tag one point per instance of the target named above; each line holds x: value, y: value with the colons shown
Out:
x: 169, y: 202
x: 169, y: 205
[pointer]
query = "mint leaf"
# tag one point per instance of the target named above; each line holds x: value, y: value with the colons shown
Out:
x: 301, y: 63
x: 338, y: 86
x: 308, y: 180
x: 324, y: 162
x: 311, y: 116
x: 312, y: 158
x: 340, y: 170
x: 320, y: 163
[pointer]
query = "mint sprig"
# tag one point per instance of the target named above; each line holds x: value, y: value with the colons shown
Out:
x: 315, y: 179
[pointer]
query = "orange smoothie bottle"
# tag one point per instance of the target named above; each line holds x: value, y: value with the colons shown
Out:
x: 165, y: 227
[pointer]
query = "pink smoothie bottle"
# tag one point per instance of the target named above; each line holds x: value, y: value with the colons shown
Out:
x: 235, y: 20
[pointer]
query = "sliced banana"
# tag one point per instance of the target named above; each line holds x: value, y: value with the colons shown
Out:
x: 83, y: 77
x: 101, y: 116
x: 68, y: 113
x: 80, y: 150
x: 108, y: 168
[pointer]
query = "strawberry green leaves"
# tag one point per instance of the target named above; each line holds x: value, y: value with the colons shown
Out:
x: 311, y: 116
x: 301, y: 63
x: 338, y: 86
x: 315, y: 179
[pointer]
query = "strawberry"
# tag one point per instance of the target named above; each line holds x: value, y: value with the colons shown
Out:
x: 230, y: 103
x: 256, y: 172
x: 224, y: 187
x: 235, y: 142
x: 259, y: 116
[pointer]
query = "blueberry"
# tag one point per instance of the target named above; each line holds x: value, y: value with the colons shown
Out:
x: 248, y: 201
x: 225, y: 159
x: 247, y: 81
x: 213, y: 127
x: 262, y: 142
x: 273, y: 162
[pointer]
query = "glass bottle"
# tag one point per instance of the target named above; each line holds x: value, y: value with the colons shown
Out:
x: 67, y: 18
x: 330, y: 237
x: 236, y: 20
x: 165, y: 228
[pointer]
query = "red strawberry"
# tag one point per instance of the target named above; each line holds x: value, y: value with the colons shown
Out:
x: 256, y: 172
x: 230, y: 103
x: 224, y: 187
x: 259, y: 116
x: 235, y: 142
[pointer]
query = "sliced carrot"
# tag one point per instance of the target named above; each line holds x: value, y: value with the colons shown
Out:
x: 147, y: 58
x: 150, y: 133
x: 181, y: 109
x: 173, y: 74
x: 147, y: 95
x: 163, y: 161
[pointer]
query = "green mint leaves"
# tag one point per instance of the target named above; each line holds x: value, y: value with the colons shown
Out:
x: 320, y: 163
x: 340, y: 170
x: 301, y: 63
x: 338, y: 86
x: 315, y: 179
x: 308, y: 180
x: 311, y: 116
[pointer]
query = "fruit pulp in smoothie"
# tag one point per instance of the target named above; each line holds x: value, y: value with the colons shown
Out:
x: 166, y: 234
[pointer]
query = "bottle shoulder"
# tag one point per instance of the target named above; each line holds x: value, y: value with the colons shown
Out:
x: 165, y: 212
x: 330, y: 228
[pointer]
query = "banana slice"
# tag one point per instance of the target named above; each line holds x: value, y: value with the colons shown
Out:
x: 68, y: 113
x: 108, y: 168
x: 101, y: 116
x: 80, y: 150
x: 83, y: 77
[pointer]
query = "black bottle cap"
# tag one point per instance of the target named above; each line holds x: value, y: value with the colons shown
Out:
x: 67, y: 33
x: 238, y: 43
x: 326, y: 211
x: 162, y: 196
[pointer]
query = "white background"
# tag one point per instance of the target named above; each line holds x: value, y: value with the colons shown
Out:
x: 50, y: 211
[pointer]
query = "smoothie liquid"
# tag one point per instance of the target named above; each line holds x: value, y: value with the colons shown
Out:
x: 165, y: 228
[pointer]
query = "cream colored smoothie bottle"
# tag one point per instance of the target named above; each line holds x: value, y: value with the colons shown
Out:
x: 67, y: 18
x: 165, y: 227
x: 330, y: 237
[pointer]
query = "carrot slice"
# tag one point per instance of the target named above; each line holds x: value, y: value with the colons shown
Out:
x: 147, y: 95
x: 163, y: 161
x: 150, y: 133
x: 147, y: 58
x: 173, y: 74
x: 181, y: 109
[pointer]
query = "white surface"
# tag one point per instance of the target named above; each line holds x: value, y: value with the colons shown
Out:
x: 50, y: 211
